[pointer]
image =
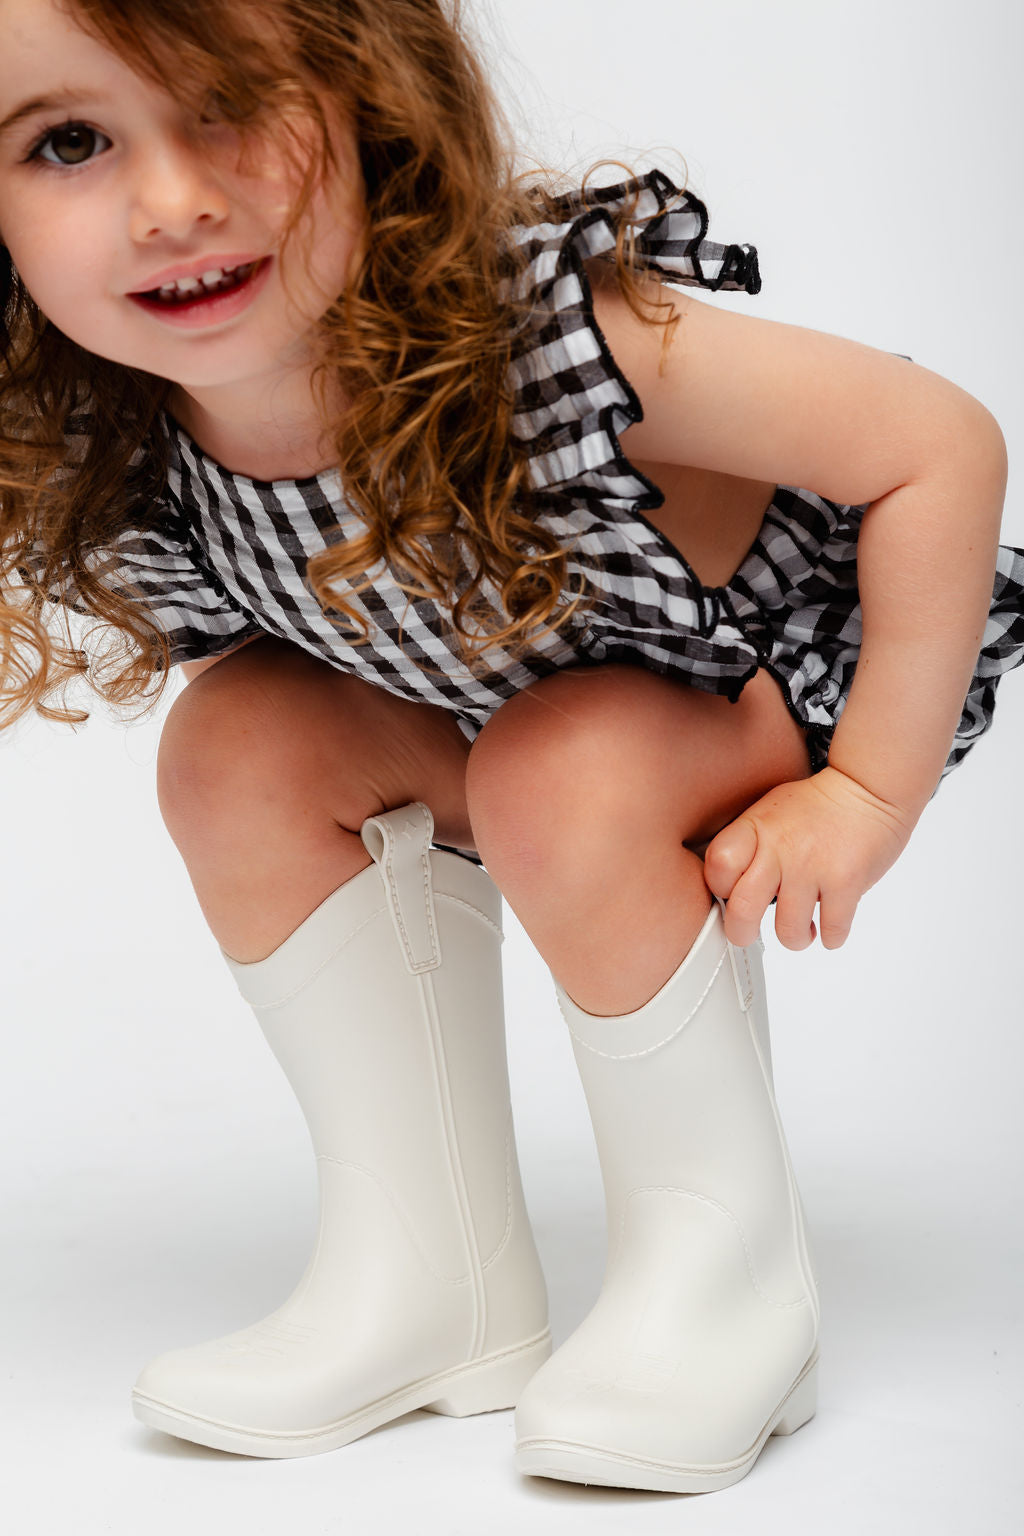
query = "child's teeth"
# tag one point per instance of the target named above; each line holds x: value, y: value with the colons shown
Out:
x: 210, y: 281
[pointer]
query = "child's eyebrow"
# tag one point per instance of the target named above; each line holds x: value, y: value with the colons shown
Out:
x: 57, y: 99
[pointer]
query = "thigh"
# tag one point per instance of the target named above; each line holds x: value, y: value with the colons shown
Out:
x: 271, y: 731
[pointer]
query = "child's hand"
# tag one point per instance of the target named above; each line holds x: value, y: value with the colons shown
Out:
x: 824, y: 839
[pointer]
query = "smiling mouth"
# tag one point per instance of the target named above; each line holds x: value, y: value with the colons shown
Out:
x: 194, y: 290
x: 197, y: 305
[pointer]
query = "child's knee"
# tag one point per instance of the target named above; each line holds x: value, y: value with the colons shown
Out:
x: 282, y: 736
x: 215, y: 735
x: 561, y: 765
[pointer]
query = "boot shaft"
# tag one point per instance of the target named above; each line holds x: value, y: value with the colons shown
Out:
x: 385, y: 1011
x: 681, y: 1098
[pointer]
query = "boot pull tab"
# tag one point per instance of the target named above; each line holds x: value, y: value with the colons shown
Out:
x: 399, y: 844
x: 741, y: 975
x: 739, y: 959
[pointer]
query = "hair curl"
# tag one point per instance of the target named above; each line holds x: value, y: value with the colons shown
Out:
x: 418, y: 346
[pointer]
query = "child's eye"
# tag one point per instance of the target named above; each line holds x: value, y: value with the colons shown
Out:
x: 72, y: 144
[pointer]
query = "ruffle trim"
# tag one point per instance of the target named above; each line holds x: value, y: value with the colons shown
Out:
x: 575, y: 431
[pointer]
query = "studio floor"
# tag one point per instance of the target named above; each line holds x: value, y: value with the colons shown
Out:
x: 189, y: 1212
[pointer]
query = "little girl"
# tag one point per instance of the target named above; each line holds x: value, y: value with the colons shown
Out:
x: 650, y: 613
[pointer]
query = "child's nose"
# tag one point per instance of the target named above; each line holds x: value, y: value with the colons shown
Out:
x: 175, y: 188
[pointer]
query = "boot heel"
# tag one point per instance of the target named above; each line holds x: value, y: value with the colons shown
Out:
x: 488, y: 1385
x: 801, y: 1404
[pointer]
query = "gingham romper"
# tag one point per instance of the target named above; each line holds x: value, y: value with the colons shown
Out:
x: 228, y: 557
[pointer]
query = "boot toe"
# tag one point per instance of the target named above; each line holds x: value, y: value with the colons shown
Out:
x: 592, y: 1415
x: 240, y: 1382
x: 277, y: 1378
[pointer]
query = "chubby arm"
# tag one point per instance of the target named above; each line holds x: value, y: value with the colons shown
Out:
x: 925, y: 564
x: 779, y: 403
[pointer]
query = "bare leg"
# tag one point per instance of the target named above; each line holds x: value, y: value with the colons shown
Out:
x: 424, y: 1289
x: 591, y: 797
x: 270, y: 762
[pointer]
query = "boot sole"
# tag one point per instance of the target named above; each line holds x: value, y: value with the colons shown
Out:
x: 481, y: 1386
x: 576, y: 1463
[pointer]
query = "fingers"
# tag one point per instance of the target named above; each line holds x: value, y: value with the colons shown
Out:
x: 743, y: 869
x: 794, y: 914
x: 795, y: 902
x: 728, y: 855
x: 751, y: 897
x: 837, y: 912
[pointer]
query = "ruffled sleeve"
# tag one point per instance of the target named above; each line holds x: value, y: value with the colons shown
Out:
x: 161, y: 570
x: 571, y: 399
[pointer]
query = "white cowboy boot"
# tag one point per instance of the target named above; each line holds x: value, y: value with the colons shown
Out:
x: 704, y: 1340
x: 424, y: 1289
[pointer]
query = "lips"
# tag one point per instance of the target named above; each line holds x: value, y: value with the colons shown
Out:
x: 207, y: 308
x: 195, y: 269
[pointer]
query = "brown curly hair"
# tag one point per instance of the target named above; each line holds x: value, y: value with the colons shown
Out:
x: 419, y: 344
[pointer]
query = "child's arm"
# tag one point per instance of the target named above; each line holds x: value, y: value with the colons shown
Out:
x: 773, y: 402
x: 923, y: 622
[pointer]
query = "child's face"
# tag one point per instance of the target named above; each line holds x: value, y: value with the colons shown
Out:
x: 107, y: 207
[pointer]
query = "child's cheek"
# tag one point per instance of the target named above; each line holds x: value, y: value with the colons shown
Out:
x: 49, y: 248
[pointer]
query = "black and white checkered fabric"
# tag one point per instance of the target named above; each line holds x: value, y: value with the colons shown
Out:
x: 230, y: 561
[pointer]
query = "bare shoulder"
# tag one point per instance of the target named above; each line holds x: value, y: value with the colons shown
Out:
x: 782, y: 403
x: 192, y: 669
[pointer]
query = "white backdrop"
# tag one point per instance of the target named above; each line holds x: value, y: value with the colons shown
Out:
x: 157, y: 1184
